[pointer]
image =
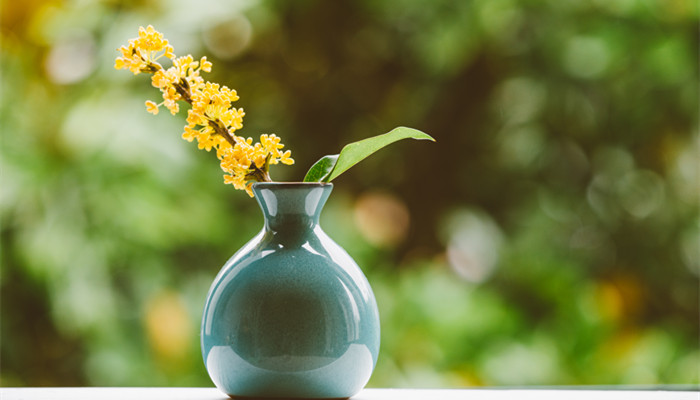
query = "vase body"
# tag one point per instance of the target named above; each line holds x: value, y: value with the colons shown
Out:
x: 290, y: 315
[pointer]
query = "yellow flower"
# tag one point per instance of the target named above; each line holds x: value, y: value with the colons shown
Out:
x: 272, y: 146
x: 151, y: 40
x: 142, y: 53
x: 205, y: 65
x: 211, y: 109
x: 151, y: 107
x: 212, y: 120
x: 245, y: 161
x: 286, y: 158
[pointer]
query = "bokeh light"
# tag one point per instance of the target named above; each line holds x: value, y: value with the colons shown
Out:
x: 551, y: 235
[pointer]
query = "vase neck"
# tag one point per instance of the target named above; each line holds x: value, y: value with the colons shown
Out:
x: 291, y: 206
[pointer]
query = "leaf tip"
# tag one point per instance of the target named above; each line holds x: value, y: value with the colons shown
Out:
x: 419, y: 135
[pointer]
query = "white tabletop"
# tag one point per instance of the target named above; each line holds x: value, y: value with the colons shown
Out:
x: 367, y: 394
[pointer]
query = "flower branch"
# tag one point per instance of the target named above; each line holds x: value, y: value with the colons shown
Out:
x: 211, y: 120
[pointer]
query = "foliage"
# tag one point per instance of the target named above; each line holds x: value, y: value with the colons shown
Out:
x: 329, y: 167
x: 549, y: 236
x: 212, y: 120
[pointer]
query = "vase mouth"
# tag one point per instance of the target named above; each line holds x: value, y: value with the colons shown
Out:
x: 263, y: 185
x: 298, y: 202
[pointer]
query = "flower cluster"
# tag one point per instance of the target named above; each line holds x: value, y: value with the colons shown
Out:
x: 212, y: 119
x: 245, y: 156
x: 143, y: 52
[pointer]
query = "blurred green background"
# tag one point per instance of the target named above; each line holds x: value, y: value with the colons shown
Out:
x: 549, y: 237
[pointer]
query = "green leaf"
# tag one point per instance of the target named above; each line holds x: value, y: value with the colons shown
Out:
x: 355, y: 152
x: 321, y: 169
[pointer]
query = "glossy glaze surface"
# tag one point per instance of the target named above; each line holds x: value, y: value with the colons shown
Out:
x: 290, y: 314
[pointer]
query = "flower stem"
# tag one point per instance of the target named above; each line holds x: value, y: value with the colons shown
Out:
x: 222, y: 131
x: 258, y: 175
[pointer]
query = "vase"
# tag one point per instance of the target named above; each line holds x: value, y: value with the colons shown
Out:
x: 290, y: 315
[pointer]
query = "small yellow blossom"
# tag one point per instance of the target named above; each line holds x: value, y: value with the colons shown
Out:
x: 212, y: 120
x: 271, y: 145
x: 142, y: 53
x: 151, y: 107
x: 205, y: 65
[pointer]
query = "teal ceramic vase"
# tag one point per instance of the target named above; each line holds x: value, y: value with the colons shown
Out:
x: 290, y: 315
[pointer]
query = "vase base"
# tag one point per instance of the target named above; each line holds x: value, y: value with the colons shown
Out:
x: 235, y: 397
